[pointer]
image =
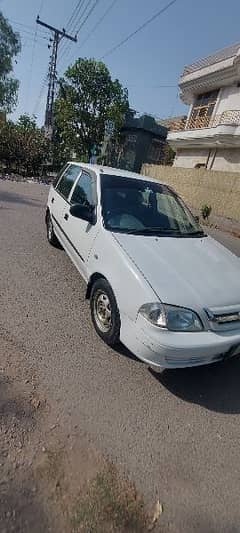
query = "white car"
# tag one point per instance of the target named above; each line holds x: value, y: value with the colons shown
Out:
x: 155, y: 280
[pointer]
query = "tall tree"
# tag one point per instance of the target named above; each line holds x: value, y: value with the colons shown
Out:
x: 9, y: 47
x: 23, y: 146
x: 88, y: 98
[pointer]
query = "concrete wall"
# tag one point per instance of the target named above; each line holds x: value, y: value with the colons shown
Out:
x: 189, y: 158
x: 229, y: 99
x: 226, y: 159
x: 221, y: 190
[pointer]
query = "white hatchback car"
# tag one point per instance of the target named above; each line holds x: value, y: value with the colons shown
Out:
x: 155, y: 280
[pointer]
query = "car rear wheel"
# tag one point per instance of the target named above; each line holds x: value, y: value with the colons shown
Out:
x: 105, y: 312
x: 51, y: 237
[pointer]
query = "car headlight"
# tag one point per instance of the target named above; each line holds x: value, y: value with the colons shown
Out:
x: 171, y: 317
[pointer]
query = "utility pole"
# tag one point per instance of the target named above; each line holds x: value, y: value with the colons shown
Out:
x: 52, y: 78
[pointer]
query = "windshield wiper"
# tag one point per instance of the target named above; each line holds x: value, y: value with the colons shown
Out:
x: 161, y: 231
x: 149, y: 230
x: 197, y: 233
x: 175, y: 231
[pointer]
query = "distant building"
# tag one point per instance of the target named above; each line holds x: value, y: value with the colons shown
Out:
x: 171, y: 121
x: 210, y: 135
x: 142, y: 140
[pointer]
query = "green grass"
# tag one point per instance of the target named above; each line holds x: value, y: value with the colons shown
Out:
x: 110, y: 505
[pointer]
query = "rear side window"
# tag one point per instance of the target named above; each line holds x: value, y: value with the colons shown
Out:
x: 67, y: 180
x: 84, y: 191
x: 59, y: 175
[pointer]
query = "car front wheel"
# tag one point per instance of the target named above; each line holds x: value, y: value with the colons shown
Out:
x: 51, y: 237
x: 105, y: 313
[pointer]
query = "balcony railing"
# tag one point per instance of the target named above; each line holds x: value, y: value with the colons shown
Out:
x: 230, y: 118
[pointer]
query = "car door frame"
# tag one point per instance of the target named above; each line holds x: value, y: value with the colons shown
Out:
x: 58, y: 220
x: 80, y: 260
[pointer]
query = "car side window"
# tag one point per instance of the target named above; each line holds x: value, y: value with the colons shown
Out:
x: 84, y: 191
x: 59, y: 175
x: 67, y: 180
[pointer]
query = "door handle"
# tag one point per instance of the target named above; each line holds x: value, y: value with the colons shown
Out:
x: 66, y: 216
x: 52, y: 200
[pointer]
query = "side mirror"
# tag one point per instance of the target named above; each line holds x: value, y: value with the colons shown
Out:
x: 197, y: 218
x: 84, y: 212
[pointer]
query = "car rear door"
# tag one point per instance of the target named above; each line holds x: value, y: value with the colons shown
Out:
x: 80, y: 233
x: 59, y: 198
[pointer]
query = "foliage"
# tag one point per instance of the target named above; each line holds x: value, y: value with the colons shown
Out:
x: 23, y: 147
x: 169, y: 155
x: 87, y: 99
x: 206, y: 211
x: 9, y: 47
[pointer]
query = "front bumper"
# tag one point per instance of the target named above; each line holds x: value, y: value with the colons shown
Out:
x: 165, y: 349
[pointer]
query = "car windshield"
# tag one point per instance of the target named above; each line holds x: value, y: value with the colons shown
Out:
x: 142, y: 207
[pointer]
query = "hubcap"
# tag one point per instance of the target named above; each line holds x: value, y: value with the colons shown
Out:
x: 102, y: 311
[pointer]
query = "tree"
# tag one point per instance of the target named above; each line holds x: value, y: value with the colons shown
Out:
x: 8, y: 144
x: 9, y: 47
x: 88, y: 98
x: 169, y: 155
x: 23, y: 146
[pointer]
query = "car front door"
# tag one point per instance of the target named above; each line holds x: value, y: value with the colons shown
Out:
x: 80, y: 233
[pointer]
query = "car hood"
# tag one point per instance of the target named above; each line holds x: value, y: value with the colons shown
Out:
x: 190, y: 272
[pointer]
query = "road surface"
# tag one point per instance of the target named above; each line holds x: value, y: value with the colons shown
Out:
x: 176, y: 434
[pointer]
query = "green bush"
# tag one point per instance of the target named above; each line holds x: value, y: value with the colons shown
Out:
x: 206, y: 211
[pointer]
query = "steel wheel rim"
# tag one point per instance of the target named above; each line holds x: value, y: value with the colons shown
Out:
x: 102, y: 311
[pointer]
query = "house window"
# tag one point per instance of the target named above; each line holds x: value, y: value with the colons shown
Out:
x: 202, y: 110
x: 155, y: 152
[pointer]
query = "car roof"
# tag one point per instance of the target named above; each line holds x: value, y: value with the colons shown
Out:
x: 101, y: 169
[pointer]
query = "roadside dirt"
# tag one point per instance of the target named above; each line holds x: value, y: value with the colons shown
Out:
x: 50, y: 480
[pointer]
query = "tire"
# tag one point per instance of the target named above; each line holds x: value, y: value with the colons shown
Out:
x: 105, y: 313
x: 51, y: 237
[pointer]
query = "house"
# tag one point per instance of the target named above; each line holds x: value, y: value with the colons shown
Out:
x: 142, y: 140
x: 170, y: 121
x: 210, y: 135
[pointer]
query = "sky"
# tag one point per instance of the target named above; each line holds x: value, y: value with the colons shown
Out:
x: 149, y: 64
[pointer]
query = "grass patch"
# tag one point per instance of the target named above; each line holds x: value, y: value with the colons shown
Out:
x: 109, y: 505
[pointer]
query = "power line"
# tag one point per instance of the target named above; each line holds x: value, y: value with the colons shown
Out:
x: 72, y: 25
x: 83, y: 22
x: 98, y: 23
x: 31, y: 66
x: 25, y: 33
x: 94, y: 27
x: 75, y: 14
x: 41, y: 7
x: 27, y: 26
x: 87, y: 16
x: 58, y: 35
x: 40, y: 96
x: 27, y: 42
x: 140, y: 28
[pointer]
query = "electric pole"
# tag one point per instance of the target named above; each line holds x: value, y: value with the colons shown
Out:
x: 52, y: 78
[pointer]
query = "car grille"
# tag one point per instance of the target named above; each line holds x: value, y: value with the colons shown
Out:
x: 224, y: 319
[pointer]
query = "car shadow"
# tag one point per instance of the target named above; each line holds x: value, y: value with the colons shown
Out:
x: 215, y: 387
x: 10, y: 197
x: 123, y: 350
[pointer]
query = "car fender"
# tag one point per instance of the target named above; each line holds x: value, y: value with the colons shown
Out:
x: 109, y: 260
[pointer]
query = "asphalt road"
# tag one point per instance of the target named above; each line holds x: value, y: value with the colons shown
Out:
x: 176, y: 434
